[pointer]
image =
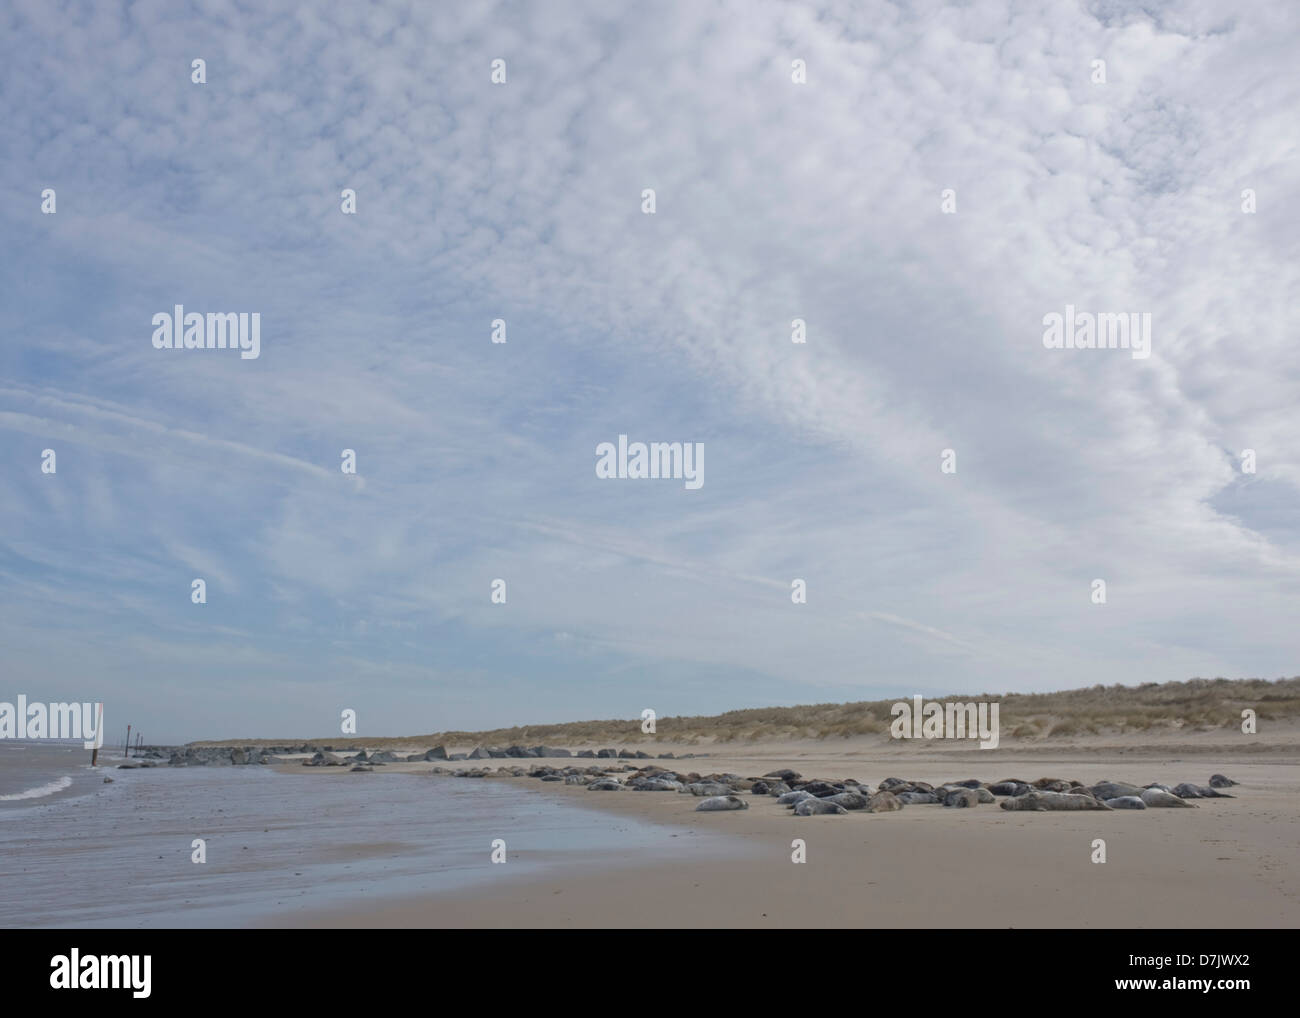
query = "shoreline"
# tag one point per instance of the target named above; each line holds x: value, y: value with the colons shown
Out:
x: 1230, y: 863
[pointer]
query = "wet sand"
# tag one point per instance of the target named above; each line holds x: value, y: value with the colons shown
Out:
x: 1231, y: 863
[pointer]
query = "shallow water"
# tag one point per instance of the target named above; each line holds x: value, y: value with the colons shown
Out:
x: 119, y: 855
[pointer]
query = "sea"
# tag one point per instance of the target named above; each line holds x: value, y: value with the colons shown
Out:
x: 79, y: 852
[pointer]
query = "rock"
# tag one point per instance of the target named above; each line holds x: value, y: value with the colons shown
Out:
x: 238, y: 756
x: 589, y: 754
x: 437, y: 753
x: 884, y: 802
x: 457, y: 756
x: 1155, y: 797
x: 607, y: 754
x: 1126, y: 802
x: 1044, y: 801
x: 666, y: 756
x: 818, y: 807
x: 478, y: 753
x: 1219, y: 781
x: 721, y: 802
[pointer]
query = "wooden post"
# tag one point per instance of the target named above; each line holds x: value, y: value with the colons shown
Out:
x: 128, y: 741
x: 99, y: 733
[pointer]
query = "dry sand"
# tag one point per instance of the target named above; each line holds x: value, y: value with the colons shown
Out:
x: 1229, y: 863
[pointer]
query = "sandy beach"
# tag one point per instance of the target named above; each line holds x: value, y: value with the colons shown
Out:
x: 1229, y: 863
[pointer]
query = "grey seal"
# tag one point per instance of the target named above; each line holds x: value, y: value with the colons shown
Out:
x: 1114, y: 789
x: 1126, y: 802
x: 793, y: 799
x: 849, y: 800
x: 1219, y: 781
x: 884, y: 802
x: 1158, y: 797
x: 818, y: 807
x: 1043, y: 801
x: 721, y: 802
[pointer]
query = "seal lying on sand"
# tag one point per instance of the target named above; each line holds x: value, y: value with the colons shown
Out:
x: 721, y: 802
x: 1126, y: 802
x: 1189, y: 791
x: 962, y: 798
x: 883, y: 802
x: 1219, y: 781
x: 917, y: 798
x: 818, y: 807
x: 1043, y: 801
x: 1159, y: 797
x: 1114, y: 789
x: 849, y: 800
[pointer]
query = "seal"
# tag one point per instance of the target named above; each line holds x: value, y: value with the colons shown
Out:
x: 1126, y: 802
x: 961, y: 798
x: 605, y: 785
x: 884, y: 802
x: 1044, y: 801
x: 710, y: 789
x: 1219, y: 781
x: 1158, y: 797
x: 818, y: 807
x: 793, y: 799
x: 849, y: 800
x: 917, y: 798
x: 1114, y: 789
x: 721, y: 802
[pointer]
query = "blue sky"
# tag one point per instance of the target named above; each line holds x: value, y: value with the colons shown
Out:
x: 522, y: 201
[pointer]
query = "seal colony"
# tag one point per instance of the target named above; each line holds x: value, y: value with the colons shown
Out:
x: 805, y: 797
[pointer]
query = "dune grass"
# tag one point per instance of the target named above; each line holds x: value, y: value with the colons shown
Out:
x: 1194, y: 705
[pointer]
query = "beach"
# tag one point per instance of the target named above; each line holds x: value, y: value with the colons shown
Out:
x: 1229, y: 863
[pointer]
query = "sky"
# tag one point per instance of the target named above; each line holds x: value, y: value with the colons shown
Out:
x: 1114, y: 188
